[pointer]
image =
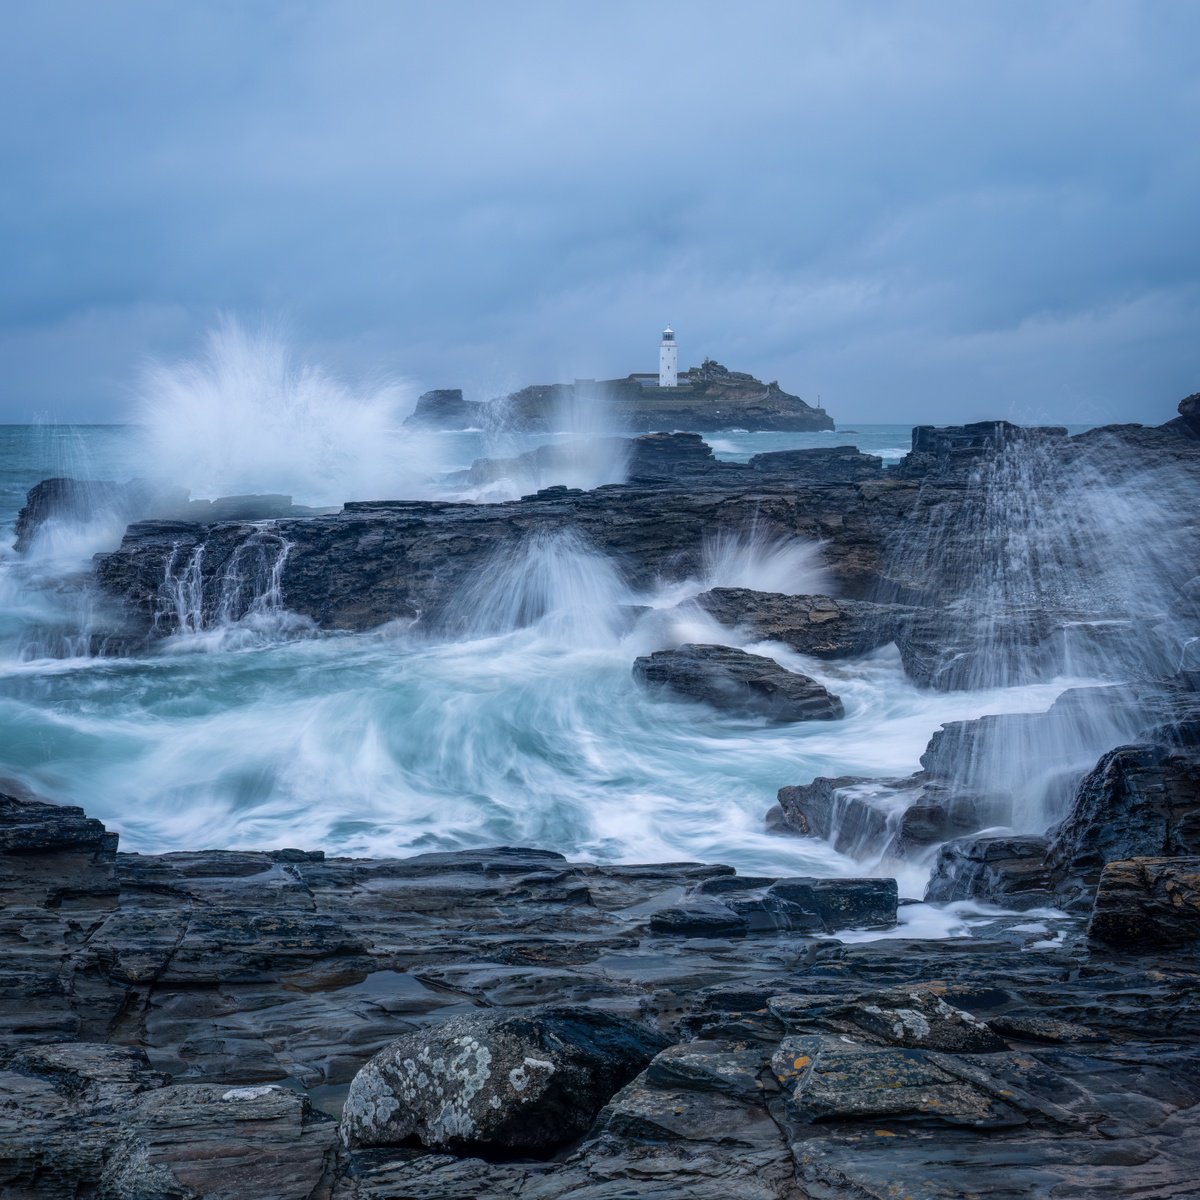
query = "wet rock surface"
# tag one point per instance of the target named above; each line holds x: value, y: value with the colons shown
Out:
x: 195, y: 1031
x: 1148, y: 902
x: 737, y: 682
x: 500, y: 1082
x: 818, y: 625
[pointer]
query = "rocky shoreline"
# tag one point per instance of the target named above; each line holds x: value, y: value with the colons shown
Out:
x: 189, y: 1024
x: 506, y: 1023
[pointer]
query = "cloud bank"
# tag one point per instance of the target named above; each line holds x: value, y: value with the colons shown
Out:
x: 918, y: 211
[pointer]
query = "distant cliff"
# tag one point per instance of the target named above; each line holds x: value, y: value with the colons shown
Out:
x: 709, y: 398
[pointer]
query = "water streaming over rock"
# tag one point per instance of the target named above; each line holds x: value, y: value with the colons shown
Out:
x: 518, y: 721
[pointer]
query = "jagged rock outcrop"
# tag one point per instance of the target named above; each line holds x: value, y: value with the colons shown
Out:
x: 737, y: 682
x: 1187, y: 423
x: 80, y: 501
x: 409, y: 560
x: 445, y: 408
x: 1006, y: 870
x: 1140, y: 801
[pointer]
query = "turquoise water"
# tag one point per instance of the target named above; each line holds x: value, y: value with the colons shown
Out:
x: 270, y: 734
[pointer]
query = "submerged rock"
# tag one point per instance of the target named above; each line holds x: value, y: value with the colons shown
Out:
x: 499, y: 1082
x: 737, y: 682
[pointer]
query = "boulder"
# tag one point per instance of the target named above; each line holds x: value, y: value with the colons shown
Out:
x: 737, y: 682
x: 1147, y: 903
x: 523, y: 1082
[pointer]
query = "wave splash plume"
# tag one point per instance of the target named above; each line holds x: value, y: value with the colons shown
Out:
x: 247, y: 415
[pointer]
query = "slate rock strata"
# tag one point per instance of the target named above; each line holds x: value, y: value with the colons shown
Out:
x: 820, y: 626
x: 737, y: 682
x: 195, y: 1031
x: 1148, y: 902
x: 1136, y: 800
x: 921, y: 543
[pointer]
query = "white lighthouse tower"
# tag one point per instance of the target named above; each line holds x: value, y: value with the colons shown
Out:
x: 668, y: 360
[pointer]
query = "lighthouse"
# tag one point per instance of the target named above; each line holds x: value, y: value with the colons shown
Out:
x: 668, y: 359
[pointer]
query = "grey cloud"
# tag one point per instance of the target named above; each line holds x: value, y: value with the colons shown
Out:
x: 922, y: 211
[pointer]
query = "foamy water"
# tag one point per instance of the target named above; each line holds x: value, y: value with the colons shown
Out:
x: 524, y: 726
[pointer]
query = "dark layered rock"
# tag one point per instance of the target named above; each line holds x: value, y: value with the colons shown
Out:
x: 1187, y: 424
x: 80, y: 501
x: 699, y: 918
x: 1007, y: 870
x: 377, y: 562
x: 494, y: 1082
x: 822, y: 626
x: 1139, y: 801
x: 653, y: 456
x: 959, y: 449
x: 1147, y: 902
x: 842, y: 903
x: 830, y: 464
x: 794, y: 1061
x: 915, y: 1017
x: 90, y: 1119
x: 737, y: 682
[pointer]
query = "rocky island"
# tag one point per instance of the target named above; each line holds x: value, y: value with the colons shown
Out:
x: 507, y: 1022
x: 708, y: 398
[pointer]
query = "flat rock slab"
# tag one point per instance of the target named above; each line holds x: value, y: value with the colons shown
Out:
x: 737, y: 682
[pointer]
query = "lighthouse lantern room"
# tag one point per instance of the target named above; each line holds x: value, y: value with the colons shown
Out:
x: 668, y: 360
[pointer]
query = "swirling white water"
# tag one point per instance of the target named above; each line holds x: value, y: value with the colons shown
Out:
x: 525, y: 728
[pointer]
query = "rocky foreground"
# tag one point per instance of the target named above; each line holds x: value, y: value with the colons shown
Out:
x: 505, y: 1023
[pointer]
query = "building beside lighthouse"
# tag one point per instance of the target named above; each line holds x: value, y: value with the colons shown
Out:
x: 668, y: 360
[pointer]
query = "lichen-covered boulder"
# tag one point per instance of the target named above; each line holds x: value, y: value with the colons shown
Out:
x: 524, y: 1082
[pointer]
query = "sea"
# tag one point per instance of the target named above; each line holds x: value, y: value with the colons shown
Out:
x: 270, y: 733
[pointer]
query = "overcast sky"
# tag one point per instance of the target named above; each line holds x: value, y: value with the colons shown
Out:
x: 918, y: 211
